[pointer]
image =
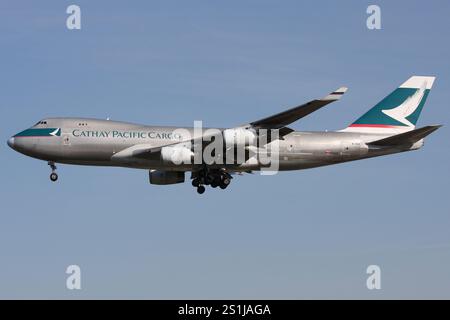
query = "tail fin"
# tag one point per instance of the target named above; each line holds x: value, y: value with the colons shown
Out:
x: 399, y: 111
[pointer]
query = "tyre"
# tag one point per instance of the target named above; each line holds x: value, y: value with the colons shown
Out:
x: 226, y: 181
x: 53, y: 177
x: 208, y: 179
x: 200, y: 189
x: 215, y: 183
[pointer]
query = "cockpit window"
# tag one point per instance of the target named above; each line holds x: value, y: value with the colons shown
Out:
x: 40, y: 122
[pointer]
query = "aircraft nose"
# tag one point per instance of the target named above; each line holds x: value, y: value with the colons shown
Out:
x: 11, y: 142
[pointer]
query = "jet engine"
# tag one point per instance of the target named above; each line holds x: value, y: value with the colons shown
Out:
x: 177, y: 155
x: 166, y: 177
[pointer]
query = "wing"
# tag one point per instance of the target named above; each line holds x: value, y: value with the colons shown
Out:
x: 284, y: 118
x: 277, y: 121
x: 146, y: 151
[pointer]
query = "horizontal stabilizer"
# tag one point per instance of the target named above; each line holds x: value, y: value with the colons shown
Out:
x: 406, y: 138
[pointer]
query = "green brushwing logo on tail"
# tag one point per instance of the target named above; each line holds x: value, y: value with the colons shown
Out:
x: 384, y: 113
x: 401, y: 108
x: 40, y: 132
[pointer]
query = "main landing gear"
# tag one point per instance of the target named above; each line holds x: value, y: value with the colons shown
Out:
x: 53, y: 175
x: 217, y: 178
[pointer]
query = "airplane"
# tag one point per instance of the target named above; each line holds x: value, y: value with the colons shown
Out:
x: 168, y: 152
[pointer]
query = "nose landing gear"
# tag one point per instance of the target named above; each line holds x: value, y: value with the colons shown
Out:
x: 53, y: 175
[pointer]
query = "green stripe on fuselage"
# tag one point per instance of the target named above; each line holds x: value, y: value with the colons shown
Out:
x: 393, y: 100
x: 41, y: 132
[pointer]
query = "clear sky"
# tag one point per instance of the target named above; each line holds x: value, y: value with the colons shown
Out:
x: 303, y: 234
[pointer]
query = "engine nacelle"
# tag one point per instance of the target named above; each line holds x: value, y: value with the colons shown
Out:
x: 166, y: 177
x: 239, y: 137
x: 177, y: 155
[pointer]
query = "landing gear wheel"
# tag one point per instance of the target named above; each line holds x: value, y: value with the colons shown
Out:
x: 53, y: 176
x: 208, y: 179
x: 195, y: 182
x: 214, y: 184
x: 226, y: 181
x: 200, y: 189
x: 223, y: 186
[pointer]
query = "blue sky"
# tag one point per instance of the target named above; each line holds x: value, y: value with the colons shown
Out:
x: 303, y: 234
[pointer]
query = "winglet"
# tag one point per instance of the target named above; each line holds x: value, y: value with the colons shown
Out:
x: 336, y: 94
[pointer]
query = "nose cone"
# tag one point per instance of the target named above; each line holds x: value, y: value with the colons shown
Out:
x: 11, y: 142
